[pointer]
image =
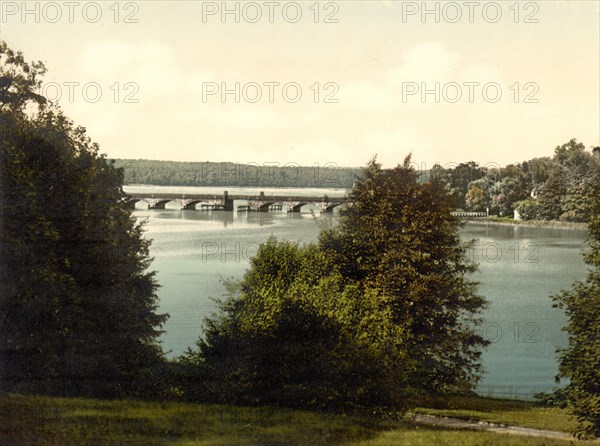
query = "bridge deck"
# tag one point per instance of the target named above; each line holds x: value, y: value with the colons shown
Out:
x: 257, y: 197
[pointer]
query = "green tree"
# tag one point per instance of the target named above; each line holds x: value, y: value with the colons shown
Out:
x: 551, y: 195
x: 539, y: 170
x: 476, y: 199
x: 77, y: 303
x: 399, y: 239
x: 294, y: 332
x: 514, y: 186
x: 576, y: 203
x: 579, y: 191
x: 527, y: 209
x: 19, y: 80
x: 478, y: 195
x: 580, y: 361
x: 571, y: 154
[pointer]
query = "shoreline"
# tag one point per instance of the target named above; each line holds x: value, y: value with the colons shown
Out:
x: 530, y: 223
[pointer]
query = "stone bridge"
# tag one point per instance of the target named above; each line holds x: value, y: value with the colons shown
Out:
x: 257, y: 203
x: 225, y: 202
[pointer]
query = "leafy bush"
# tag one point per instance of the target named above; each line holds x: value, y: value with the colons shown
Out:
x: 294, y: 333
x: 580, y: 361
x: 527, y: 209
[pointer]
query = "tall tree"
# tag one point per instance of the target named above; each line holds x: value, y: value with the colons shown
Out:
x: 571, y: 154
x: 551, y: 195
x: 78, y: 306
x: 19, y: 80
x: 580, y: 361
x: 478, y: 195
x: 400, y: 239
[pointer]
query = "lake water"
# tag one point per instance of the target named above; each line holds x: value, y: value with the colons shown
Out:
x: 520, y: 268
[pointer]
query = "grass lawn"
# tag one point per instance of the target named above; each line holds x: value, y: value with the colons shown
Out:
x: 29, y: 420
x: 533, y: 223
x: 513, y: 412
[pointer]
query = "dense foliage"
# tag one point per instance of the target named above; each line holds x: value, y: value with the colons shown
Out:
x: 556, y: 188
x: 77, y: 306
x: 400, y: 239
x: 172, y: 173
x: 295, y: 333
x: 378, y: 312
x: 580, y: 361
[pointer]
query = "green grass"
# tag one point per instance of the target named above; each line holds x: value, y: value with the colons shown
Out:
x: 29, y: 420
x: 513, y: 412
x: 533, y: 223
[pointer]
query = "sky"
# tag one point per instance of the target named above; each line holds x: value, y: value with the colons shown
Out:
x: 319, y: 82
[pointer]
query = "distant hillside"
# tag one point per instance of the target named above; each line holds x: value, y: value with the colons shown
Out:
x: 172, y: 173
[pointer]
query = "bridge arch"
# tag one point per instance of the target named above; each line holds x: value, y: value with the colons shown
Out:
x: 264, y: 207
x: 328, y: 207
x: 130, y: 202
x: 157, y: 203
x: 189, y: 205
x: 296, y: 206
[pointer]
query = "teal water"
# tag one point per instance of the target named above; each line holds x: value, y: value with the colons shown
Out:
x: 520, y: 268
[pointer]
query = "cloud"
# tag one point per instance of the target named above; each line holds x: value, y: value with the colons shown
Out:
x: 368, y: 95
x: 153, y: 66
x: 433, y: 62
x: 393, y: 145
x: 426, y: 62
x: 249, y: 117
x: 424, y: 66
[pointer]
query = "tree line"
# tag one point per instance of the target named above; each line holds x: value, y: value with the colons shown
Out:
x: 375, y: 315
x: 547, y: 188
x: 226, y: 174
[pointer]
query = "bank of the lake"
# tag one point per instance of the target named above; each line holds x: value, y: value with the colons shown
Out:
x: 530, y: 223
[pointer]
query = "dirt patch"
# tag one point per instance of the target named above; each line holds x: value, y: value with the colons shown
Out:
x: 456, y: 423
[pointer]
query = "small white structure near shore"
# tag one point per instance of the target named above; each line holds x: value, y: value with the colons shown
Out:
x: 516, y: 215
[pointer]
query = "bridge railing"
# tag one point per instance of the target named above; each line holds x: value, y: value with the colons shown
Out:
x: 469, y: 214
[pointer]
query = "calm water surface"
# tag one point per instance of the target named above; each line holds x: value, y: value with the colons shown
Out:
x: 519, y: 269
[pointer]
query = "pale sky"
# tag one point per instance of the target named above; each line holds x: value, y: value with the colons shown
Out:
x: 375, y: 59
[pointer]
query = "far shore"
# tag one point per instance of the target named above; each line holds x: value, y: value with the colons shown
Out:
x: 496, y: 221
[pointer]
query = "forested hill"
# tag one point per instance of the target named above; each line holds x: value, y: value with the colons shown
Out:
x: 172, y: 173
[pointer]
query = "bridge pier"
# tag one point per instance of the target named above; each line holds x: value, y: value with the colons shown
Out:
x: 227, y: 202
